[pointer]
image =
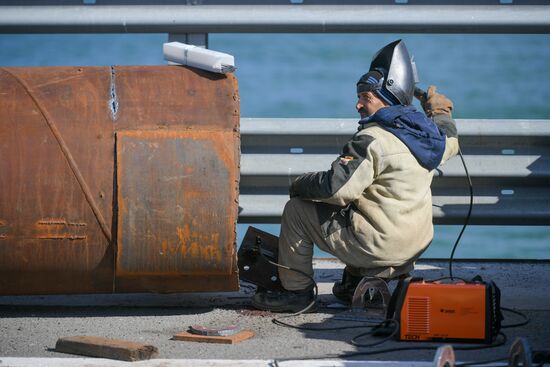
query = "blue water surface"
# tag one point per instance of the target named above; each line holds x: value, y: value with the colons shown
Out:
x: 314, y: 75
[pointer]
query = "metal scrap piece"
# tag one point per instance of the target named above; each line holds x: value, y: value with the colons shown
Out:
x: 214, y: 330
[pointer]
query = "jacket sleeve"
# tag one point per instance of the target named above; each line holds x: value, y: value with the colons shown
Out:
x: 448, y: 126
x: 345, y: 181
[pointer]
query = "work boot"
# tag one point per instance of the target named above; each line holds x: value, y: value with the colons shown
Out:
x: 344, y: 289
x: 283, y: 300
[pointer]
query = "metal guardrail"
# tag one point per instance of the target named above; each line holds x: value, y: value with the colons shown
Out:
x: 275, y: 18
x: 508, y: 160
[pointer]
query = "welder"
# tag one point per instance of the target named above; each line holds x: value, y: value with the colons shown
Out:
x: 372, y: 209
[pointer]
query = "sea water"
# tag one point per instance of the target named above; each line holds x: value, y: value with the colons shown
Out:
x: 314, y: 75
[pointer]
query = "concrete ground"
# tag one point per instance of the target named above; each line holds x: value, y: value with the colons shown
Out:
x: 31, y: 325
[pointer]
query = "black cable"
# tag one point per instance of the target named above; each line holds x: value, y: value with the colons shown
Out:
x: 467, y: 216
x: 524, y: 316
x: 277, y: 320
x: 430, y: 347
x: 354, y: 341
x: 422, y: 95
x: 386, y: 323
x: 315, y: 294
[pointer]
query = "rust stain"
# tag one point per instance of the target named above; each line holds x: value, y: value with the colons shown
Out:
x: 197, y: 194
x: 3, y: 226
x: 200, y: 246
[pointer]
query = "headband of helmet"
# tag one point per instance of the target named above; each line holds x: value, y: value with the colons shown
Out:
x: 391, y: 74
x: 373, y: 81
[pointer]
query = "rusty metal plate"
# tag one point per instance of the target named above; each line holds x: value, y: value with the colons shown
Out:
x: 177, y: 206
x: 58, y: 225
x: 174, y: 97
x: 56, y: 149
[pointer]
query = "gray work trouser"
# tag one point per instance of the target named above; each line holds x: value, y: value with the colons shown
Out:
x: 301, y: 228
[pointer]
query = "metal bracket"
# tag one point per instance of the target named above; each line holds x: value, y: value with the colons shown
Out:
x: 373, y: 296
x: 370, y: 301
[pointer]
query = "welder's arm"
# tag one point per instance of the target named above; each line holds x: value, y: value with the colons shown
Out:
x: 439, y: 108
x: 347, y: 178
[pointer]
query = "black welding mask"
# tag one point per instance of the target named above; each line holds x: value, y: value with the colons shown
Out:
x: 398, y: 73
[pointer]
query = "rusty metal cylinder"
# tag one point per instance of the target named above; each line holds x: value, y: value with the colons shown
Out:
x: 118, y: 179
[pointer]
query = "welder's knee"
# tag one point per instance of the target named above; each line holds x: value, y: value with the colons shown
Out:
x: 296, y: 208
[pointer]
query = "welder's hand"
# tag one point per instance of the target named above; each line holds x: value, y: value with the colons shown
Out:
x: 434, y: 103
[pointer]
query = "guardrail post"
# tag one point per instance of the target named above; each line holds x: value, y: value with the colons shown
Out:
x: 197, y: 39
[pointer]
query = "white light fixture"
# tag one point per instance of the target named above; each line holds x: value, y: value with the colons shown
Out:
x: 198, y: 57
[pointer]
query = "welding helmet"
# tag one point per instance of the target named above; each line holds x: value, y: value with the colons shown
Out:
x: 394, y: 74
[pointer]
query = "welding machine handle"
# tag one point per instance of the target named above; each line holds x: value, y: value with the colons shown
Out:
x: 398, y: 297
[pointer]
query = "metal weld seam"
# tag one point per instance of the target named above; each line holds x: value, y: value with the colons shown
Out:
x: 70, y: 160
x: 52, y: 222
x: 113, y: 102
x: 60, y: 223
x: 62, y: 237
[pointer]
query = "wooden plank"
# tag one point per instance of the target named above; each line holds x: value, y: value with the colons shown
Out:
x: 95, y: 346
x: 232, y: 339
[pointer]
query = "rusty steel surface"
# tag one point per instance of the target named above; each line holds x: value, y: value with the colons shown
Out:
x: 63, y: 132
x: 172, y: 211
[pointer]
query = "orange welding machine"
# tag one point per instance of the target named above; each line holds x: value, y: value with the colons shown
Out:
x: 464, y: 311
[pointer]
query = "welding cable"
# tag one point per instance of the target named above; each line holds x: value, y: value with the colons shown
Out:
x: 384, y: 323
x: 277, y: 320
x: 516, y: 312
x: 423, y: 95
x: 467, y: 220
x: 495, y: 344
x: 522, y: 315
x: 315, y: 294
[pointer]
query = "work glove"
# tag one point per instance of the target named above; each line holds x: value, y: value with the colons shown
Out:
x: 434, y: 103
